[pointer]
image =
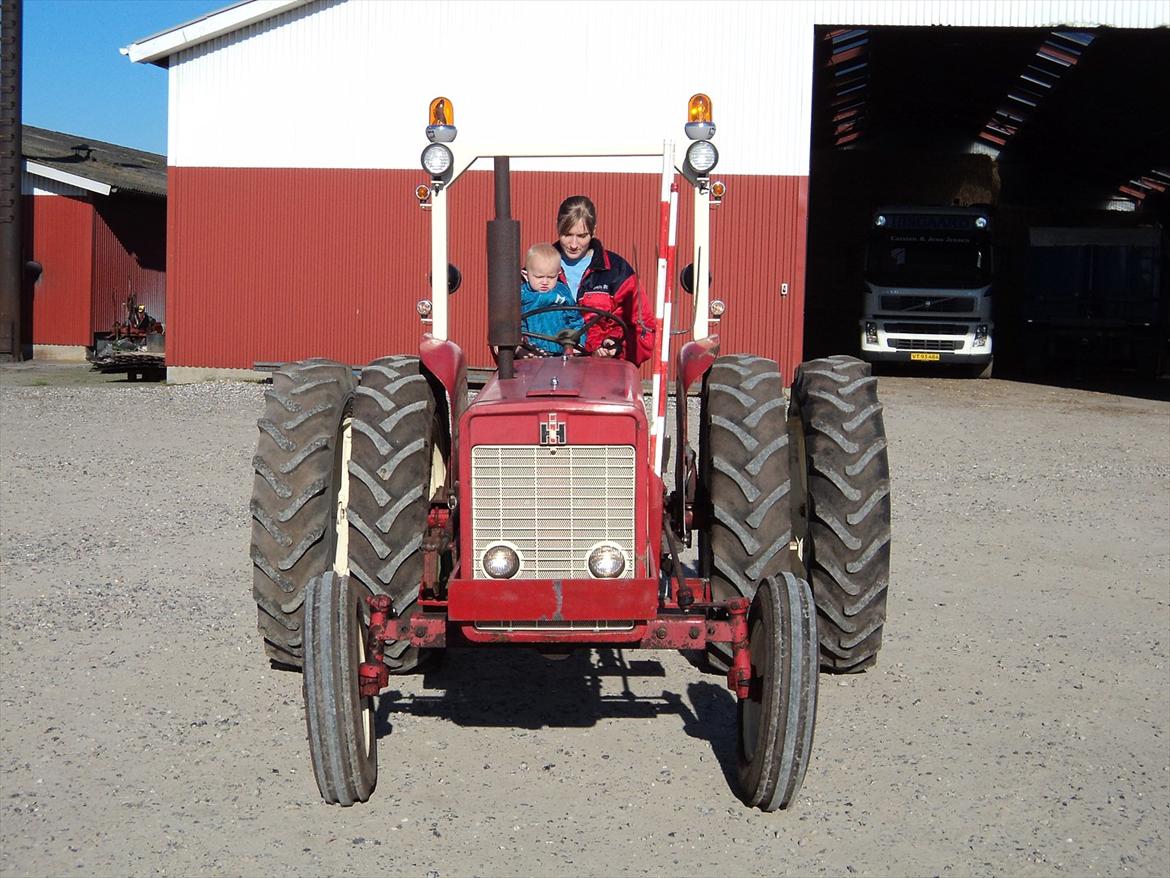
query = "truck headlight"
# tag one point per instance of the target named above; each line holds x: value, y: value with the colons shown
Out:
x: 980, y: 335
x: 501, y: 561
x: 437, y: 159
x: 606, y: 561
x: 871, y: 336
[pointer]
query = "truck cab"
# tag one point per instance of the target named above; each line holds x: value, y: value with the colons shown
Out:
x: 928, y: 285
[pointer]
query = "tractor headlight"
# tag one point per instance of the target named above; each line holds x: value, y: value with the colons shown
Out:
x: 606, y: 561
x: 501, y: 561
x: 437, y: 159
x: 702, y: 156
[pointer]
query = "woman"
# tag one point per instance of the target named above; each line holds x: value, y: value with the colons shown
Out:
x: 601, y: 279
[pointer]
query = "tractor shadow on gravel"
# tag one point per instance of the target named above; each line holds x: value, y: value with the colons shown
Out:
x: 522, y: 689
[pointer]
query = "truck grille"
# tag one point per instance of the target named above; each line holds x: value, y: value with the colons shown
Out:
x: 940, y: 304
x: 552, y: 504
x: 927, y: 328
x: 926, y: 344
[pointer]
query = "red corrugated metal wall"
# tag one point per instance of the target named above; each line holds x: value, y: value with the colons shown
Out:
x: 279, y: 264
x: 62, y: 242
x: 130, y: 245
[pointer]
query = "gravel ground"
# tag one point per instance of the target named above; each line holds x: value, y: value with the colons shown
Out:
x: 1017, y: 721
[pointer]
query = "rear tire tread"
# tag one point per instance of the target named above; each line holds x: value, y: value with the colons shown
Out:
x: 847, y: 550
x: 393, y: 431
x: 293, y: 496
x: 745, y: 479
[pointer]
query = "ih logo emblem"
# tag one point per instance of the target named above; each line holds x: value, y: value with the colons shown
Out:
x: 552, y: 432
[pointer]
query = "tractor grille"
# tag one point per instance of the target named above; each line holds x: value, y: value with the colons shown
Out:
x: 552, y: 504
x: 926, y: 344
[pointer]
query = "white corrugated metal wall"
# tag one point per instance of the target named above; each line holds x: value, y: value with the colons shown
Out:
x: 34, y: 184
x: 349, y: 89
x: 243, y: 100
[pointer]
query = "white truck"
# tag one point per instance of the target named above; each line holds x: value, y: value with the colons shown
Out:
x: 928, y: 282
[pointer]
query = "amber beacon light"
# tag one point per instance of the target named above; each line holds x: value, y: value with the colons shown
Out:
x: 699, y: 118
x: 437, y: 158
x: 441, y: 121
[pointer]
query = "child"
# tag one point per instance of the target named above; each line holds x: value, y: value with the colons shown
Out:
x: 542, y: 287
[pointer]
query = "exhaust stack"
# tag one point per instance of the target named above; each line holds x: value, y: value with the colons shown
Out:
x: 503, y: 252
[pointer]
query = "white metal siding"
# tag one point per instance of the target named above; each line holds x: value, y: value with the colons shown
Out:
x: 33, y: 184
x: 346, y: 84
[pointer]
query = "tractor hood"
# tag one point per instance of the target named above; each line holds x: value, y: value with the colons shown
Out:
x: 582, y: 379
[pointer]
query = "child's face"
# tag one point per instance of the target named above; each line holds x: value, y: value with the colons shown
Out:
x: 542, y: 274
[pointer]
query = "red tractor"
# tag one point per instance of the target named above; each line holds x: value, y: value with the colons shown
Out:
x: 394, y: 518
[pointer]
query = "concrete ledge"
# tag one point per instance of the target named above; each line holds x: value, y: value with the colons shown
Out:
x: 197, y: 374
x: 59, y: 353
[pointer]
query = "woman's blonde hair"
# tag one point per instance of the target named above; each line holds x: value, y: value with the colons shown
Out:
x: 574, y: 209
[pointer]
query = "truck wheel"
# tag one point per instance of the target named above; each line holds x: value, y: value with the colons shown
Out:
x: 743, y: 480
x: 298, y: 495
x: 398, y: 461
x: 776, y: 720
x: 842, y: 505
x: 342, y: 739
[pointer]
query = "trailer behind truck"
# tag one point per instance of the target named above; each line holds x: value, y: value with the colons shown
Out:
x: 1097, y: 296
x: 928, y: 285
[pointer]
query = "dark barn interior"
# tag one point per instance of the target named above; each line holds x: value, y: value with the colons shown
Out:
x: 1050, y: 127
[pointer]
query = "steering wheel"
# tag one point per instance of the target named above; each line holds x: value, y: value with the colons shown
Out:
x: 575, y: 338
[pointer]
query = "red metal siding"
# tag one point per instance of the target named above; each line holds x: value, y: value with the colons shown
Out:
x: 62, y: 242
x: 130, y: 245
x: 278, y: 264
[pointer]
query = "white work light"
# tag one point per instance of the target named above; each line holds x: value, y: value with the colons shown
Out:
x: 702, y: 156
x: 437, y: 159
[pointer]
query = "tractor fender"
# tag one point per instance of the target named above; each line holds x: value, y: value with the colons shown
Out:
x: 446, y: 366
x: 695, y: 359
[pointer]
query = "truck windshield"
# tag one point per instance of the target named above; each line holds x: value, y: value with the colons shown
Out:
x: 928, y: 259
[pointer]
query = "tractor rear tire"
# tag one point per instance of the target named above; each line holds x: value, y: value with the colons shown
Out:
x: 343, y: 742
x: 743, y: 481
x: 300, y: 476
x: 775, y: 722
x: 842, y: 505
x: 399, y: 448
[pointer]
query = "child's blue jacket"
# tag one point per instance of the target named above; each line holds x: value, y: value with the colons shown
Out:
x: 552, y: 322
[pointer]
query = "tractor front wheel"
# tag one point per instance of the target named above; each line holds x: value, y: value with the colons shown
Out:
x: 776, y: 719
x: 342, y: 739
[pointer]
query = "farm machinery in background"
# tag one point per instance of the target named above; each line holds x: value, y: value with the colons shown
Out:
x: 392, y: 517
x: 135, y: 345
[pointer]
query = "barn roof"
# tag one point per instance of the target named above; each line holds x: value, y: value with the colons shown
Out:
x: 93, y: 164
x: 158, y: 48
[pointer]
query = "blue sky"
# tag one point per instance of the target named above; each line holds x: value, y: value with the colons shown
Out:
x: 76, y: 81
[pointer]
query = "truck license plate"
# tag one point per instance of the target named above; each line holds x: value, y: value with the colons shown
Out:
x: 928, y: 357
